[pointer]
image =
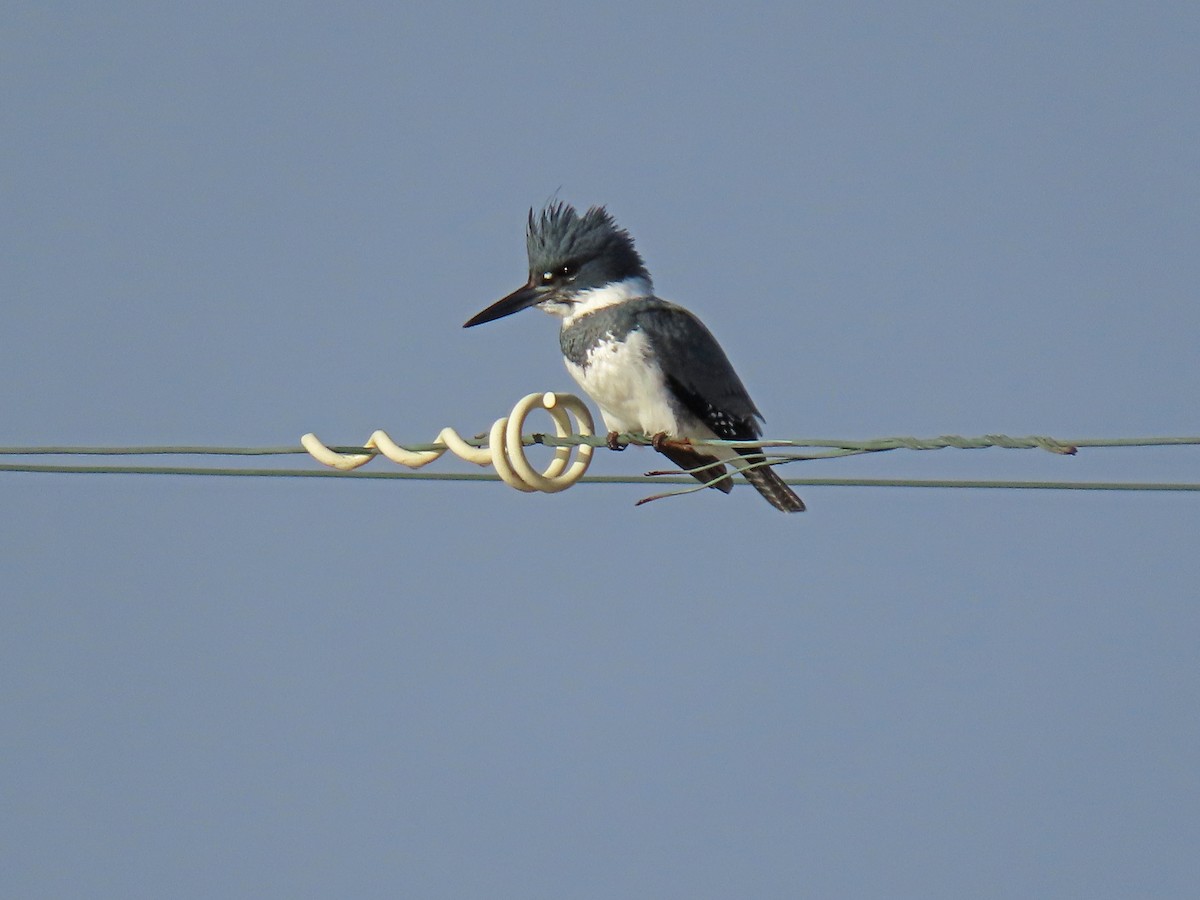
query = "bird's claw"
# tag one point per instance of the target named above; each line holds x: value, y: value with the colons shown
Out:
x: 661, y: 440
x: 614, y: 441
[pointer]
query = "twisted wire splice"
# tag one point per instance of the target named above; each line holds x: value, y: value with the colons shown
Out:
x: 505, y: 450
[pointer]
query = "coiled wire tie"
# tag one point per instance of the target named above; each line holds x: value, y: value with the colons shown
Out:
x: 505, y: 450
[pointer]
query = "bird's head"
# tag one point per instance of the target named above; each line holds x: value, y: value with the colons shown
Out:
x: 570, y: 255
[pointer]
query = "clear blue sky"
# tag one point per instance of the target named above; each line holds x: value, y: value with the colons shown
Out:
x: 235, y: 223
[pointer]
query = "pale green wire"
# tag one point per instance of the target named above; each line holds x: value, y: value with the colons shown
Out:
x: 838, y: 447
x: 597, y: 479
x: 1055, y: 445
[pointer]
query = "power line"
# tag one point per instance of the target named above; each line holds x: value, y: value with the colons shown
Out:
x: 1055, y: 445
x: 843, y: 445
x: 597, y: 479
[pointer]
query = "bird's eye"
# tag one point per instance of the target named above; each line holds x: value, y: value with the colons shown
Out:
x: 565, y: 272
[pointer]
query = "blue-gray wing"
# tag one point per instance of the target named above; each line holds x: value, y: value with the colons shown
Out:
x: 698, y: 372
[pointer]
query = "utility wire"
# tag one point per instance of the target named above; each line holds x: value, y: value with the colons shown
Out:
x: 838, y: 446
x: 600, y: 479
x: 1054, y: 445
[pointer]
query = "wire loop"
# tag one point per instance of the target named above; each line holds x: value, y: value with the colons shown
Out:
x: 505, y: 450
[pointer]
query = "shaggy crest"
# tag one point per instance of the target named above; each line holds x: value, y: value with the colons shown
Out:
x: 559, y: 235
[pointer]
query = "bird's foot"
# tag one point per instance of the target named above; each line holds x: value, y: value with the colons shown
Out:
x: 614, y: 441
x: 662, y: 440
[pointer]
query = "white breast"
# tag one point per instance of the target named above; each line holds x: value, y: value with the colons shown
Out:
x: 628, y: 385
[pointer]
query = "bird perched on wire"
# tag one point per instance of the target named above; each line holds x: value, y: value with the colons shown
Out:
x: 650, y: 365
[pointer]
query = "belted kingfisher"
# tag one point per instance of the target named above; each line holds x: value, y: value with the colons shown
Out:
x: 651, y: 366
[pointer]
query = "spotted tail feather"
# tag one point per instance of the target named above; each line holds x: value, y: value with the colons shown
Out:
x: 771, y: 486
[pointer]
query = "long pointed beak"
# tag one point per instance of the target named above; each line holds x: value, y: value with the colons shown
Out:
x: 518, y: 300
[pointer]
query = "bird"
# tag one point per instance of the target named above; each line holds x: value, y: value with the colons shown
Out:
x: 650, y: 365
